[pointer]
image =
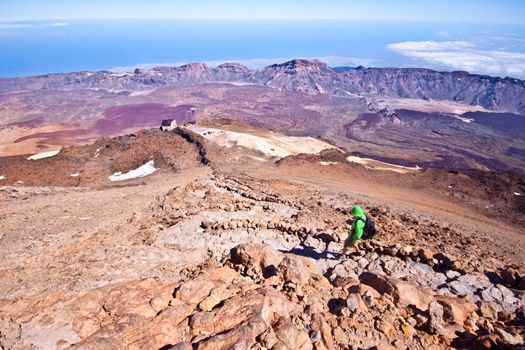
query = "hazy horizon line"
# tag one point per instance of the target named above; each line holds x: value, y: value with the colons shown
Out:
x: 356, y: 19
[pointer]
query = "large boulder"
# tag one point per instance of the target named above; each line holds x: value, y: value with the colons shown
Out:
x: 292, y: 269
x: 240, y: 319
x: 290, y: 337
x: 127, y: 305
x: 447, y: 309
x: 260, y: 258
x: 132, y: 299
x: 404, y: 293
x: 455, y: 310
x: 319, y: 324
x: 211, y: 286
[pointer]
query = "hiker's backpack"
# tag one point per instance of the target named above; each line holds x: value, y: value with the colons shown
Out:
x: 369, y: 230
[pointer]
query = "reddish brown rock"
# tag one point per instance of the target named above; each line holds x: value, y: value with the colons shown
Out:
x: 404, y: 293
x: 162, y: 300
x: 291, y: 337
x: 292, y: 269
x: 240, y: 319
x: 319, y: 324
x: 218, y: 280
x: 456, y: 310
x: 426, y: 255
x: 257, y: 257
x: 363, y: 289
x: 98, y: 344
x: 487, y: 311
x: 132, y: 299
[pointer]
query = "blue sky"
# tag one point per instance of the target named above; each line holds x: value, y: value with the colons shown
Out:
x: 491, y: 11
x: 478, y: 36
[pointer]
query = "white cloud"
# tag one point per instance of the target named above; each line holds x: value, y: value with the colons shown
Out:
x: 15, y: 25
x: 463, y: 55
x: 31, y: 25
x: 336, y: 61
x: 58, y: 24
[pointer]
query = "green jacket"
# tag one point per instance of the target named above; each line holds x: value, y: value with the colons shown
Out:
x: 357, y: 229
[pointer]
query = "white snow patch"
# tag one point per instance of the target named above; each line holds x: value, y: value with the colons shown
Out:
x: 75, y: 174
x: 270, y: 144
x: 448, y: 107
x: 19, y: 182
x: 378, y: 165
x: 236, y: 83
x: 517, y: 194
x: 43, y: 155
x: 2, y: 177
x: 143, y: 170
x: 355, y: 159
x: 328, y: 163
x: 142, y: 92
x: 97, y: 153
x: 464, y: 119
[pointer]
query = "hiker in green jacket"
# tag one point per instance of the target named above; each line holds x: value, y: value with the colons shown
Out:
x: 356, y: 231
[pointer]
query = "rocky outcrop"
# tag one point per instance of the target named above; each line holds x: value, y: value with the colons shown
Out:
x: 231, y: 72
x: 217, y: 309
x: 312, y: 77
x: 235, y: 304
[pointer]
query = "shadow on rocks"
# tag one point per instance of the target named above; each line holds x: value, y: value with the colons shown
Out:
x: 335, y: 305
x: 310, y: 252
x: 494, y: 278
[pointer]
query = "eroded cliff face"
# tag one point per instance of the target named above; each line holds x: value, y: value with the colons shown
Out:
x: 314, y: 77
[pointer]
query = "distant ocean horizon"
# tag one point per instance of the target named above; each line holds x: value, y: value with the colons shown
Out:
x: 44, y: 47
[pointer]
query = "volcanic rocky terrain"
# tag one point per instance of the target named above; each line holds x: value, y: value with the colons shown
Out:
x: 231, y: 248
x: 407, y: 116
x: 227, y: 232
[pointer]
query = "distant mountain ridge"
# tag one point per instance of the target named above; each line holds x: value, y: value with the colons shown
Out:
x: 308, y: 76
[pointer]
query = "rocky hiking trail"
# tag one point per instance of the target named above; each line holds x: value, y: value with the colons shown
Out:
x: 208, y: 260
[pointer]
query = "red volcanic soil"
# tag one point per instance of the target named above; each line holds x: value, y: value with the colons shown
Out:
x: 118, y: 118
x: 52, y: 136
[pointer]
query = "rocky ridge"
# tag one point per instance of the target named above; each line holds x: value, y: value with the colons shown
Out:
x: 314, y: 77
